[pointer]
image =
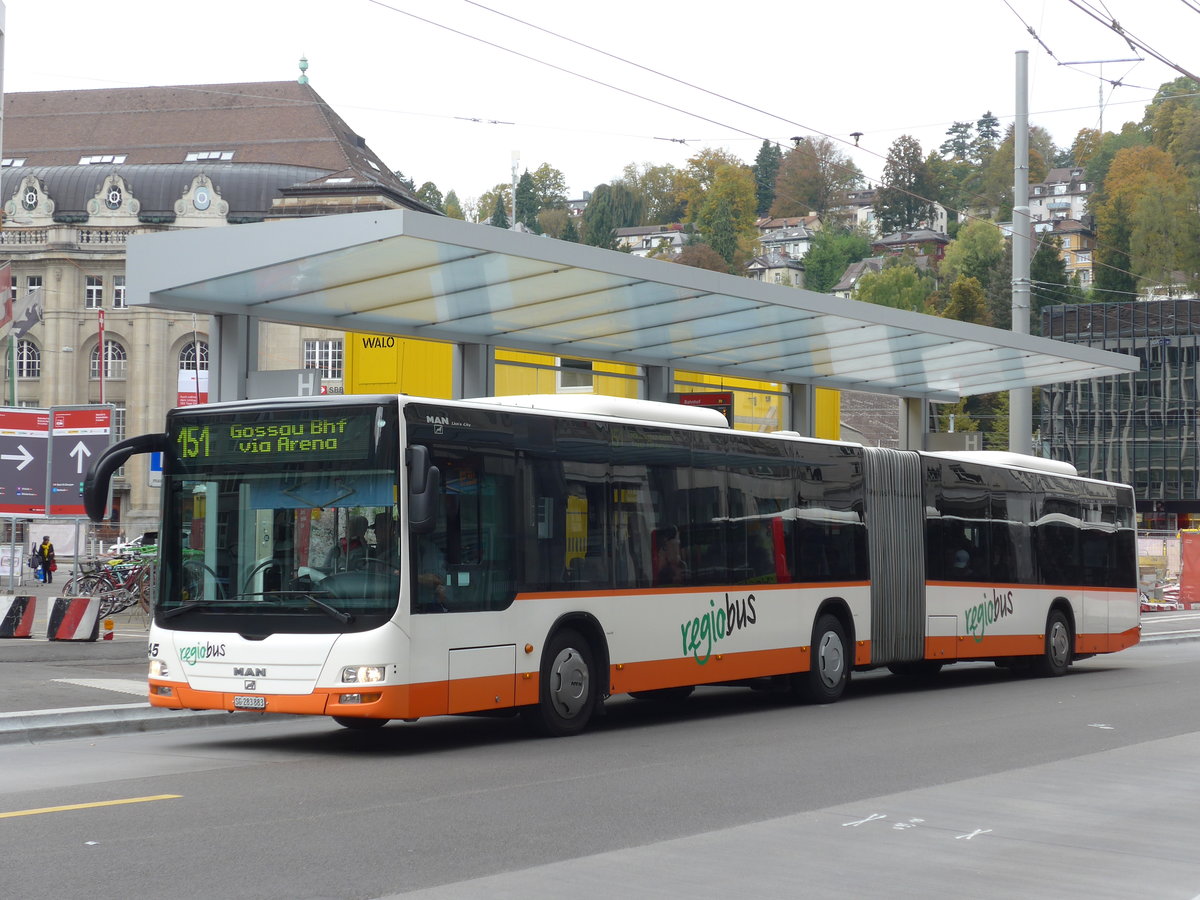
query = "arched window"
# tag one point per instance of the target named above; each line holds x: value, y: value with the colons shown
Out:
x: 194, y: 357
x: 29, y: 360
x: 114, y: 360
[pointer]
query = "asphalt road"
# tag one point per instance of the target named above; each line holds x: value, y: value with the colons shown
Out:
x: 980, y: 784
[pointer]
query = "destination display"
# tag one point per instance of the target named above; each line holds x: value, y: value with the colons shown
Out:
x: 276, y: 438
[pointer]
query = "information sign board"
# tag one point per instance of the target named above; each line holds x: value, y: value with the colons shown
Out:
x: 23, y: 450
x: 78, y: 434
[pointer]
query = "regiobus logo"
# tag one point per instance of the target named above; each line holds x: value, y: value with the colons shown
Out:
x: 196, y: 652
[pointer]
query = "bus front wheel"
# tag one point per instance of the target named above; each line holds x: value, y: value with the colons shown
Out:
x: 1056, y: 655
x: 566, y: 687
x: 829, y: 664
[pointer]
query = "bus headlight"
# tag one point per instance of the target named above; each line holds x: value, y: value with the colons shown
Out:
x: 158, y: 668
x: 363, y: 674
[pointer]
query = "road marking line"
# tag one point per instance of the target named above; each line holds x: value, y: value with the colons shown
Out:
x: 50, y: 809
x: 136, y: 686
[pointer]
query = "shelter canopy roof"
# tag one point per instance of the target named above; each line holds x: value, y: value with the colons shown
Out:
x: 402, y: 272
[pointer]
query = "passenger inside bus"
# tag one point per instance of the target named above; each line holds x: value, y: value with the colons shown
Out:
x: 431, y: 576
x: 351, y: 551
x: 669, y: 566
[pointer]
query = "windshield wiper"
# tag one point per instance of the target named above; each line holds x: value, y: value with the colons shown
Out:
x: 327, y: 608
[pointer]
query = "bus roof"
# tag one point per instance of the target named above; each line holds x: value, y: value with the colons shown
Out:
x: 616, y: 407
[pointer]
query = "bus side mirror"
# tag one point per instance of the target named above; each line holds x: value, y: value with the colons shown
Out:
x: 99, y: 476
x: 424, y: 488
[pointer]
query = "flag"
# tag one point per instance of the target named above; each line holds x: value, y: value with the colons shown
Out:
x: 5, y: 285
x: 27, y: 312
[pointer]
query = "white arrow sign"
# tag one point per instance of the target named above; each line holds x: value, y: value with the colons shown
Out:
x: 79, y: 451
x: 25, y: 457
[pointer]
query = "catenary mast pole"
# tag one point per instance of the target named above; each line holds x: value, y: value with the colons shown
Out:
x: 1020, y: 400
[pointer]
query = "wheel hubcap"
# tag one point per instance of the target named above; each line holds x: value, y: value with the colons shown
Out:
x: 569, y: 683
x: 831, y: 659
x: 1059, y: 644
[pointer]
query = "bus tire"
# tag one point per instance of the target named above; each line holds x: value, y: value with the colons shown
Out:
x: 566, y: 687
x: 1056, y: 655
x: 829, y: 663
x: 358, y: 723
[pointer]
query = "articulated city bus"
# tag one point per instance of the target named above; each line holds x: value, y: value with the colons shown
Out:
x: 379, y: 557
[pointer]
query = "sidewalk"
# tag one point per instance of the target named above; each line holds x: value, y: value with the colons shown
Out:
x: 51, y: 690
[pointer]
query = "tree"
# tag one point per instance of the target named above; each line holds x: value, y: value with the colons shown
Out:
x: 987, y: 133
x: 696, y: 179
x: 1164, y: 236
x: 766, y: 168
x: 1049, y: 284
x: 499, y: 217
x: 968, y: 303
x: 957, y: 145
x: 527, y: 203
x: 830, y: 253
x: 1130, y: 230
x: 702, y: 256
x: 657, y: 188
x: 406, y: 181
x: 570, y: 233
x: 996, y: 435
x: 953, y: 417
x: 599, y: 219
x: 429, y: 193
x: 973, y: 253
x: 899, y: 286
x: 727, y: 215
x: 813, y: 178
x: 550, y: 187
x: 996, y: 185
x: 1085, y: 145
x: 554, y: 221
x: 452, y: 207
x: 902, y: 203
x: 486, y: 204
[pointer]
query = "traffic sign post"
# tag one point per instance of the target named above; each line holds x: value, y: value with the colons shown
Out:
x: 78, y: 434
x: 24, y: 435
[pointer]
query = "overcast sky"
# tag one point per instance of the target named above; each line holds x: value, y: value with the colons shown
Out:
x: 879, y: 67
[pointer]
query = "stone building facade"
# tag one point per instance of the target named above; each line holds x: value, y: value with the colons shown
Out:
x: 84, y: 170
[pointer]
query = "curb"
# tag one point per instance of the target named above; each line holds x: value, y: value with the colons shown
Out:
x: 93, y: 721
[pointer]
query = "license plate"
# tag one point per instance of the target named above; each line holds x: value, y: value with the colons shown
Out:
x: 249, y: 702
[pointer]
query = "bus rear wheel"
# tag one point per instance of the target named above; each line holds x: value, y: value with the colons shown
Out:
x: 566, y: 687
x: 1056, y: 655
x: 360, y: 724
x: 829, y: 665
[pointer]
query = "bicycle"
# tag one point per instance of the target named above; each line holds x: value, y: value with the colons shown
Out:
x: 118, y: 587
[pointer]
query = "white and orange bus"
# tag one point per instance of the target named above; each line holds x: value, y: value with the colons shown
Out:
x: 387, y: 557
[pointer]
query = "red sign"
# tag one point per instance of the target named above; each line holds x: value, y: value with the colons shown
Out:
x: 721, y: 401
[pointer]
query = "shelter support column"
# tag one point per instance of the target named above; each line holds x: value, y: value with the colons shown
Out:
x: 659, y: 381
x: 801, y: 416
x: 474, y: 371
x: 913, y: 423
x: 233, y: 355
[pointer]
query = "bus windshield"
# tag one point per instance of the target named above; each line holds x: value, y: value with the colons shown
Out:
x: 286, y: 514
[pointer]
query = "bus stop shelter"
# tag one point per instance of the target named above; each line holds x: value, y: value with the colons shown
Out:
x: 477, y: 287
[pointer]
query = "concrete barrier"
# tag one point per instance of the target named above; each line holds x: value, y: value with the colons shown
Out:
x: 16, y: 616
x: 74, y: 619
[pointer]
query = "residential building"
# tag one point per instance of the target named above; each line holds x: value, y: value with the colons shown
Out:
x: 1063, y: 195
x: 86, y: 170
x: 656, y: 240
x: 921, y: 241
x: 776, y: 267
x: 855, y: 271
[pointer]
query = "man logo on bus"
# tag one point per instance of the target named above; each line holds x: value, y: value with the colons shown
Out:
x: 717, y: 622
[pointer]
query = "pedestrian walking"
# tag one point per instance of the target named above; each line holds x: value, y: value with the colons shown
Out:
x: 46, y: 555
